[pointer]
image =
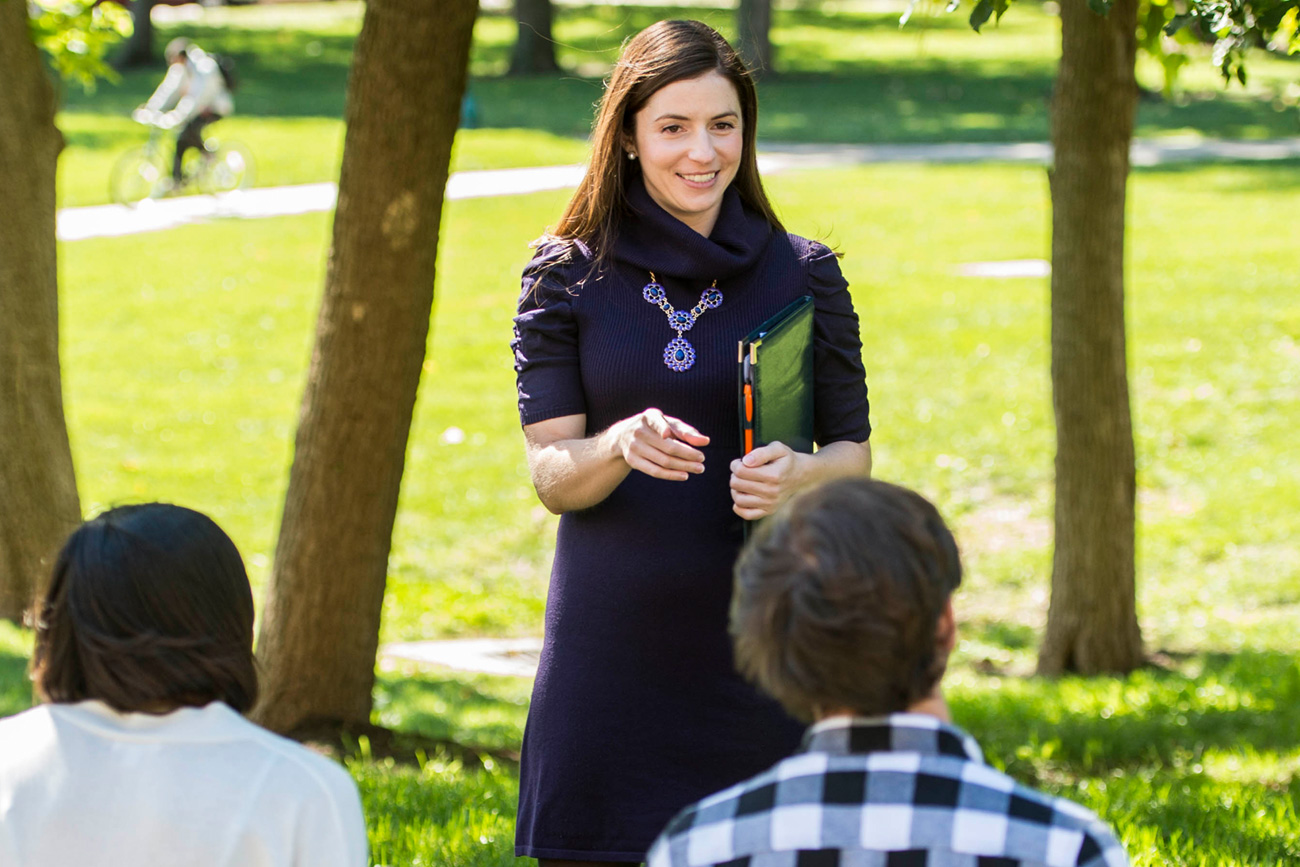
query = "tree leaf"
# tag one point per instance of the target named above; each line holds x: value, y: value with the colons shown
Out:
x: 77, y: 35
x: 1101, y: 7
x: 980, y: 14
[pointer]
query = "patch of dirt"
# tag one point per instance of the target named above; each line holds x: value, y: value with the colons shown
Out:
x: 342, y: 740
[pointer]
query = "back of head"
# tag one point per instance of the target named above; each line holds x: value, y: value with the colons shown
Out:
x: 149, y: 608
x: 838, y: 600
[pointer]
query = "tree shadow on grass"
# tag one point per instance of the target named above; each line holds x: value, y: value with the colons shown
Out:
x: 470, y: 718
x: 281, y: 74
x: 1271, y: 176
x: 1157, y: 717
x: 858, y: 98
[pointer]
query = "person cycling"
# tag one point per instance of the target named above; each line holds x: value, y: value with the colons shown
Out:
x: 192, y: 95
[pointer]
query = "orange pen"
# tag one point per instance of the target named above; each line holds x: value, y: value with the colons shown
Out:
x: 749, y: 418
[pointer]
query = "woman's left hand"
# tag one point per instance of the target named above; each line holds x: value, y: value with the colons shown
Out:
x: 763, y: 480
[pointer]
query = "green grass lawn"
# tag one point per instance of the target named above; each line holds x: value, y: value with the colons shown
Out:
x: 846, y: 76
x: 185, y: 361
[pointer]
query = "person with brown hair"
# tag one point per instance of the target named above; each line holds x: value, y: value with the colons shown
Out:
x: 140, y: 755
x: 625, y: 348
x: 843, y: 613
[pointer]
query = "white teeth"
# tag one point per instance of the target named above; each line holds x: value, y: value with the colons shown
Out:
x: 701, y: 178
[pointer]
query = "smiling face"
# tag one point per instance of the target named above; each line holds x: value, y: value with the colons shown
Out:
x: 688, y: 139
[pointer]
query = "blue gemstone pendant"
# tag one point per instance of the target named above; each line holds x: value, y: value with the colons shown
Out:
x: 679, y: 355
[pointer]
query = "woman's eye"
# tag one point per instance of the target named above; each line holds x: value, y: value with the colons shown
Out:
x: 672, y: 128
x: 725, y: 124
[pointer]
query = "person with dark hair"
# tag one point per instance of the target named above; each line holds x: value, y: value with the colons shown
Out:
x: 625, y: 348
x: 843, y: 613
x: 144, y: 655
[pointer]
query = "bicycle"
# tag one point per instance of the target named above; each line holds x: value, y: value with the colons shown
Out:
x: 145, y: 172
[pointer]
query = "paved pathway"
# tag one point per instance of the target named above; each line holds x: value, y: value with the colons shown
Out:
x: 516, y: 657
x: 76, y: 224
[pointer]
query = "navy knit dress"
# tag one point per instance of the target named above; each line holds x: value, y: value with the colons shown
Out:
x: 637, y: 709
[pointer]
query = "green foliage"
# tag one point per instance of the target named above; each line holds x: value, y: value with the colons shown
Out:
x: 77, y: 35
x: 995, y: 8
x: 1165, y: 29
x: 1166, y: 46
x: 1236, y: 26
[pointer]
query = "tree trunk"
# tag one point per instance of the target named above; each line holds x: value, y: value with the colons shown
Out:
x: 534, y: 51
x: 754, y: 27
x: 38, y: 490
x: 137, y: 50
x: 1092, y: 622
x: 320, y: 627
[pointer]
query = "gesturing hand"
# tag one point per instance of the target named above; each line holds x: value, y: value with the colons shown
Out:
x: 762, y: 480
x: 661, y: 446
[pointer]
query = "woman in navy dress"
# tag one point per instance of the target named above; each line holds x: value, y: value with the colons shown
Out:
x: 625, y: 348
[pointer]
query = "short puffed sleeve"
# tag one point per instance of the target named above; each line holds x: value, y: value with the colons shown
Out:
x: 545, y: 343
x: 840, y: 407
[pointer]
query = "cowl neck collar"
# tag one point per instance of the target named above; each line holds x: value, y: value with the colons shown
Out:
x: 651, y: 239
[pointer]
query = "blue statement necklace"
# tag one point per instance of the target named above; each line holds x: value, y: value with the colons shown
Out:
x: 679, y: 355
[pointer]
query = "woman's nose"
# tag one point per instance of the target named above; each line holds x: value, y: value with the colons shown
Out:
x: 701, y: 147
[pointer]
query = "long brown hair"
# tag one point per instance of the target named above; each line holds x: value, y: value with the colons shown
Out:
x: 663, y: 53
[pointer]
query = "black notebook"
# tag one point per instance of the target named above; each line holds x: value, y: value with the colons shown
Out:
x: 776, y: 380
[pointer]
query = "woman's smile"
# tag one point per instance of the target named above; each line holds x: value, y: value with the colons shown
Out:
x: 703, y: 180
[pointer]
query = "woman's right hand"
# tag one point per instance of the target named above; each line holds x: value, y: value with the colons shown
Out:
x: 659, y: 445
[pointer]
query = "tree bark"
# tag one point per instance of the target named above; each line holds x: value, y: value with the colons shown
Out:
x: 754, y: 27
x: 38, y: 489
x: 320, y: 627
x: 534, y: 51
x: 138, y: 49
x: 1092, y: 621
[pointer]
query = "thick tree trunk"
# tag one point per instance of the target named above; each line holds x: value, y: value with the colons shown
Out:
x: 1092, y: 622
x: 138, y: 49
x: 38, y: 491
x: 320, y: 627
x: 534, y: 51
x: 754, y: 27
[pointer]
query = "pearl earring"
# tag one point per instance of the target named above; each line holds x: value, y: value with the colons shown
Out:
x: 631, y: 155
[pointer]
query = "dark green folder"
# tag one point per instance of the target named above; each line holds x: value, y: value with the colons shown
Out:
x: 776, y: 364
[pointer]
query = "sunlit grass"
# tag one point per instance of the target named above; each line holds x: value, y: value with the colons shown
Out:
x: 184, y: 364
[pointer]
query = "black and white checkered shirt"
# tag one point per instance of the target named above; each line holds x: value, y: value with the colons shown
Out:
x: 902, y: 791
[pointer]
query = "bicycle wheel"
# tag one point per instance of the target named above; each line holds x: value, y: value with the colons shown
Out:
x: 137, y: 175
x: 229, y: 168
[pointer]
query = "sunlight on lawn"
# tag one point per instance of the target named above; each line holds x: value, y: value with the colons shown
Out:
x: 185, y: 354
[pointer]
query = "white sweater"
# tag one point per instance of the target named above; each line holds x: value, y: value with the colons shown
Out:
x: 191, y: 88
x: 84, y: 786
